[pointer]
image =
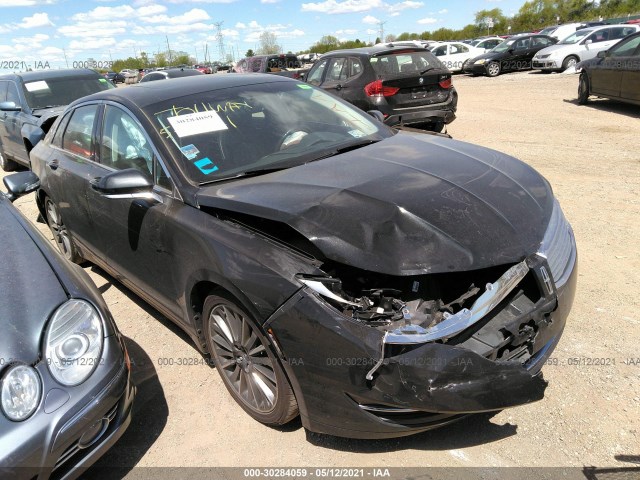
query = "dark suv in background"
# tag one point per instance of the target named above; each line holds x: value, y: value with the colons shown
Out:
x: 409, y: 85
x: 31, y: 99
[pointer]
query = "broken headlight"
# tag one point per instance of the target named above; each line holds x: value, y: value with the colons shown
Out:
x: 558, y: 243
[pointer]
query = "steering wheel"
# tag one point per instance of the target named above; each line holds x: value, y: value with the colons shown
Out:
x: 292, y: 137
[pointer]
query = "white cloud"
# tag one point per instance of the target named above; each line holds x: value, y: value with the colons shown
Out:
x: 192, y: 16
x: 370, y: 20
x: 269, y: 1
x: 407, y: 4
x: 35, y: 21
x: 443, y: 11
x: 229, y: 32
x: 147, y: 10
x: 348, y: 31
x: 394, y: 14
x: 241, y: 25
x: 201, y: 1
x: 25, y: 3
x: 171, y: 29
x: 103, y: 14
x: 347, y: 6
x: 91, y: 44
x: 427, y: 21
x: 94, y: 29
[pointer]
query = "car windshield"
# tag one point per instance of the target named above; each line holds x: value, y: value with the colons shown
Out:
x: 54, y: 92
x: 504, y: 46
x: 575, y: 37
x: 405, y: 62
x: 259, y: 128
x: 547, y: 31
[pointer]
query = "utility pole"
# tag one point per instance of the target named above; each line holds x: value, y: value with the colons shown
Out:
x: 169, y: 51
x: 381, y: 25
x: 65, y: 57
x: 220, y: 40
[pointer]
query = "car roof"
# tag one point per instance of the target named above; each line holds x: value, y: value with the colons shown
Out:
x: 376, y: 49
x: 148, y: 93
x: 48, y: 74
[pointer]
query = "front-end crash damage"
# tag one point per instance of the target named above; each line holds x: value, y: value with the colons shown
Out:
x: 397, y: 355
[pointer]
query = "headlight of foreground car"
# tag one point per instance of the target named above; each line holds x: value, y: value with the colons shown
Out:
x: 558, y: 243
x: 74, y: 342
x: 480, y: 62
x: 21, y: 391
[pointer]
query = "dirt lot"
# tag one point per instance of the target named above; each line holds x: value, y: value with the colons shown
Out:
x: 591, y: 412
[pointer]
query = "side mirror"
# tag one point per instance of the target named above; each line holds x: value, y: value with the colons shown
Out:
x: 129, y: 183
x: 9, y: 107
x: 377, y: 114
x: 510, y: 50
x: 601, y: 54
x: 19, y: 184
x: 587, y: 43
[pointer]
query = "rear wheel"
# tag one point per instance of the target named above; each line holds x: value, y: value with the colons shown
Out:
x: 60, y: 233
x: 583, y: 89
x: 6, y: 164
x: 244, y: 360
x: 493, y: 69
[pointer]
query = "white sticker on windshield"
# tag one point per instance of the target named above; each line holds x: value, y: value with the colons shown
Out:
x: 36, y: 86
x: 356, y: 133
x: 195, y: 123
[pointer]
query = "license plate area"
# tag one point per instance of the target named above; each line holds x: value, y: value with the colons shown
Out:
x: 422, y: 92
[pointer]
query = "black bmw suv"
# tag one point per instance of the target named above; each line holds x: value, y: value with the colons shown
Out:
x: 409, y: 85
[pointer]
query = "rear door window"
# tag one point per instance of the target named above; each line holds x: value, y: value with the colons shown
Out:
x: 77, y: 137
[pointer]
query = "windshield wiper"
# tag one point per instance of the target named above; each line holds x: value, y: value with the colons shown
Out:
x: 248, y: 173
x: 346, y: 148
x: 48, y: 106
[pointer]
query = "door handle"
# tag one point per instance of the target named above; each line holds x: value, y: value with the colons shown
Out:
x: 53, y: 164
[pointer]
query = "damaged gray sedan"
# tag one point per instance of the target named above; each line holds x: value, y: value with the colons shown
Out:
x: 377, y: 283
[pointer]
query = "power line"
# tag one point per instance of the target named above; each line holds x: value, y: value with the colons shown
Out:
x: 220, y: 40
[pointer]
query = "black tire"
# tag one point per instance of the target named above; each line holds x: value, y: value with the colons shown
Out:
x: 583, y: 89
x: 493, y: 69
x: 570, y: 61
x: 60, y: 233
x: 246, y: 363
x: 6, y: 164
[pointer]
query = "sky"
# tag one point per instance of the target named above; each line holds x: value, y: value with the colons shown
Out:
x: 59, y: 33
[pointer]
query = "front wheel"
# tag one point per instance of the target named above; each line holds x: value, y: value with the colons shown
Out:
x: 569, y: 62
x: 583, y: 89
x: 493, y: 69
x: 6, y: 164
x: 248, y: 367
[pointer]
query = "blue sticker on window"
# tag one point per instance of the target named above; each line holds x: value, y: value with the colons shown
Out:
x: 190, y: 151
x: 206, y: 166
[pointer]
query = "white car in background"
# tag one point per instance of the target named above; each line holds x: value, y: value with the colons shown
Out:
x: 560, y: 31
x: 487, y: 43
x: 584, y: 44
x: 454, y: 54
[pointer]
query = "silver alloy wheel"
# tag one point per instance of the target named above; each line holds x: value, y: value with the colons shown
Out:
x: 493, y: 69
x: 243, y: 359
x: 59, y: 230
x: 3, y: 162
x: 570, y: 62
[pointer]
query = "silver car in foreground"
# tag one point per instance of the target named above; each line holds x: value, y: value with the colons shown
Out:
x: 584, y: 44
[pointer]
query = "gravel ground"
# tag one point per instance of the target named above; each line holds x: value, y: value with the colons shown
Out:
x: 591, y: 413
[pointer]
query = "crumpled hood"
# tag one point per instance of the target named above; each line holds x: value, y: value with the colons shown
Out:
x: 30, y: 290
x: 410, y: 204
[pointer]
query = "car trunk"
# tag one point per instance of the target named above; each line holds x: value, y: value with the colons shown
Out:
x: 411, y: 78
